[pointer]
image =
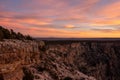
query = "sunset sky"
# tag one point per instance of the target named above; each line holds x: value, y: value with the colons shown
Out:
x: 62, y: 18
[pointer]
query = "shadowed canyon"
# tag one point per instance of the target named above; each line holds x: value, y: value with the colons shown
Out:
x: 59, y: 60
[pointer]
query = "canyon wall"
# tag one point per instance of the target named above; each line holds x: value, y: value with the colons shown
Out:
x: 29, y: 60
x: 59, y: 60
x: 94, y: 58
x: 14, y: 55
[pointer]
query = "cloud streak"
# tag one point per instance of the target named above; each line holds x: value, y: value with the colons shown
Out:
x: 62, y: 18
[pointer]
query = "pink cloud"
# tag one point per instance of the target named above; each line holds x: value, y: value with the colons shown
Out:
x: 36, y: 18
x: 111, y: 10
x: 69, y: 26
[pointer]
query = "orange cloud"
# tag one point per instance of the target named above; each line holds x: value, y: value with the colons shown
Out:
x: 40, y: 18
x: 105, y: 22
x: 69, y: 26
x: 52, y: 32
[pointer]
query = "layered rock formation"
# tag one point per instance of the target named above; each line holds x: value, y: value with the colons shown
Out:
x: 85, y: 60
x: 14, y: 54
x: 94, y: 58
x: 29, y: 60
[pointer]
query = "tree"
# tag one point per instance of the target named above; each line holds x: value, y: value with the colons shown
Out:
x: 6, y: 33
x: 20, y: 36
x: 28, y: 37
x: 1, y: 35
x: 10, y: 34
x: 13, y: 34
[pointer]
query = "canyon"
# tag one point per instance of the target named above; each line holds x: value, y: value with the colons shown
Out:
x: 59, y: 60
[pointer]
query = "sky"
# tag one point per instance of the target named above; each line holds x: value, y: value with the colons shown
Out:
x: 62, y: 18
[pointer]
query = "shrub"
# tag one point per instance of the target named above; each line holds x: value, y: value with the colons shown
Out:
x: 67, y: 78
x: 10, y: 34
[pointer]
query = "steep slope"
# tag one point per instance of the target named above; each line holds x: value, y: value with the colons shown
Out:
x: 28, y: 60
x: 85, y: 60
x: 14, y: 54
x: 94, y: 58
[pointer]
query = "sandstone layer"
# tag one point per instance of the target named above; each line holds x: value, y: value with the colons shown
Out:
x: 29, y: 60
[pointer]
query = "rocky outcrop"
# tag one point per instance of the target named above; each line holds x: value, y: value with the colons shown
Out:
x: 14, y: 54
x: 85, y: 60
x: 30, y: 60
x: 99, y: 59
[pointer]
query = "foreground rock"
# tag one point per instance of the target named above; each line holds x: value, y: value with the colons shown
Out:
x: 15, y: 54
x: 25, y: 60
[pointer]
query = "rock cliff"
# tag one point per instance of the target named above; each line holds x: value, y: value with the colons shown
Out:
x: 15, y: 54
x: 85, y: 60
x: 28, y: 60
x: 99, y: 59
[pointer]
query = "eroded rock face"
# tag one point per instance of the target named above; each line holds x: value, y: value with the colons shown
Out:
x: 26, y: 60
x: 14, y: 54
x: 98, y: 59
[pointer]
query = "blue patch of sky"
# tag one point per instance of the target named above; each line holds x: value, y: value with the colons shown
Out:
x: 11, y: 5
x: 102, y: 4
